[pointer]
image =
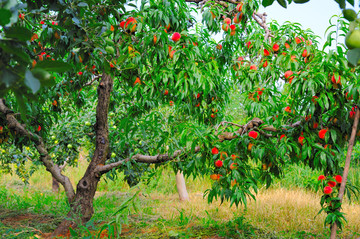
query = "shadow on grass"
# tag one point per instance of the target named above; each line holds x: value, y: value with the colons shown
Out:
x: 20, y: 224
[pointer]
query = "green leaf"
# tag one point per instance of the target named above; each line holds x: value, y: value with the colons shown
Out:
x: 333, y: 135
x: 5, y: 16
x: 349, y: 14
x: 8, y: 77
x: 323, y: 159
x: 21, y: 102
x: 341, y: 3
x: 32, y: 82
x: 73, y: 233
x: 83, y: 4
x: 20, y: 33
x: 352, y: 2
x: 18, y: 53
x: 43, y: 76
x: 282, y: 3
x: 267, y: 3
x: 54, y: 66
x: 353, y: 56
x: 76, y: 21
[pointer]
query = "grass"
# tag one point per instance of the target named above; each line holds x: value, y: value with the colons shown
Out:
x: 286, y: 210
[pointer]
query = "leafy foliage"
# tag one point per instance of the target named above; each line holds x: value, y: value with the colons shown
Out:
x: 171, y: 94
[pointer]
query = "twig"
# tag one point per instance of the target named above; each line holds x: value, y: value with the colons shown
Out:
x: 93, y: 80
x: 223, y: 123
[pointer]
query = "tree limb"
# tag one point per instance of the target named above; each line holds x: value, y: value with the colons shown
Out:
x: 160, y: 158
x: 252, y: 124
x: 256, y: 122
x: 53, y: 168
x: 260, y: 18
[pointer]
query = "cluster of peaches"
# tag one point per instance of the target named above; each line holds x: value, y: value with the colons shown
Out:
x: 233, y: 165
x: 331, y: 183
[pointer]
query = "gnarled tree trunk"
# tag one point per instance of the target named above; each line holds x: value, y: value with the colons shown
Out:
x: 82, y: 205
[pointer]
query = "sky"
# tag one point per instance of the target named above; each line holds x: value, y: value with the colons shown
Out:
x: 314, y: 14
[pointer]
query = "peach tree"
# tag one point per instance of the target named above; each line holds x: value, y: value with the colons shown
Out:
x: 145, y: 83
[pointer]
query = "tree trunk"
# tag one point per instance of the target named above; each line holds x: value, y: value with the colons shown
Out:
x: 346, y: 167
x: 181, y: 187
x: 55, y: 185
x: 82, y: 209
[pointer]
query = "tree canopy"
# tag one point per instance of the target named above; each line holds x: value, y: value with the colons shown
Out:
x: 140, y: 83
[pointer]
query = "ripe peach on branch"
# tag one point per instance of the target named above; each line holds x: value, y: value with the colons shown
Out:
x: 214, y: 150
x: 253, y: 134
x: 219, y: 163
x: 322, y: 133
x: 176, y: 37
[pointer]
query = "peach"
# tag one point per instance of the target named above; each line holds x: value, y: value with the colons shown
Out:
x: 176, y: 37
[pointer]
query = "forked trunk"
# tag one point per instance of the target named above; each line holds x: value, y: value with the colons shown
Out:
x: 82, y: 206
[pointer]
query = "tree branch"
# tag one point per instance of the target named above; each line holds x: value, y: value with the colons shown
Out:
x: 160, y: 158
x: 260, y: 18
x: 256, y: 122
x: 53, y: 168
x: 252, y: 124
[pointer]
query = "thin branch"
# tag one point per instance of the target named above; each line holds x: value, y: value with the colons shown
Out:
x: 223, y: 123
x: 93, y: 80
x: 54, y: 169
x: 64, y: 164
x: 260, y: 18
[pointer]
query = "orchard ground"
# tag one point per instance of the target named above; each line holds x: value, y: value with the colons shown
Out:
x: 286, y: 210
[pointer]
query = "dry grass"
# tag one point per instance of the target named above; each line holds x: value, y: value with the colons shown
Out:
x: 277, y: 210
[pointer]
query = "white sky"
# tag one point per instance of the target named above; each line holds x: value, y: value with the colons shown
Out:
x: 314, y: 14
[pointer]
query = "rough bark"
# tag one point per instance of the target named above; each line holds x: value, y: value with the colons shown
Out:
x: 181, y: 187
x: 82, y: 207
x: 346, y: 167
x: 55, y: 185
